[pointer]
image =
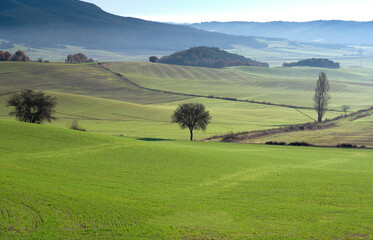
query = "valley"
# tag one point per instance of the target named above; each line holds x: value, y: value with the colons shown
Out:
x: 115, y: 162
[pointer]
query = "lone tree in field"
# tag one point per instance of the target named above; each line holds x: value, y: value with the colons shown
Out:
x: 32, y: 107
x: 191, y: 116
x: 345, y: 108
x: 321, y: 98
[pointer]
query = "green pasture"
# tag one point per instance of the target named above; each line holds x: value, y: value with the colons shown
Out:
x: 293, y: 86
x: 348, y: 130
x: 64, y: 184
x: 82, y: 79
x: 112, y: 117
x: 104, y: 103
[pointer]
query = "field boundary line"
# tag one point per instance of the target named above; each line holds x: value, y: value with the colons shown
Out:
x: 125, y: 79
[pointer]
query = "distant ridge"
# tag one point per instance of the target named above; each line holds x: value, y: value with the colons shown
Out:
x: 56, y: 23
x: 333, y: 31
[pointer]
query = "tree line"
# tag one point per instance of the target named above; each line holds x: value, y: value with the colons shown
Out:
x: 78, y: 58
x: 18, y: 56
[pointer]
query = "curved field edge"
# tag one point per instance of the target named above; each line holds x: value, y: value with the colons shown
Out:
x: 355, y: 129
x: 290, y: 86
x: 59, y: 183
x: 82, y: 79
x: 113, y: 117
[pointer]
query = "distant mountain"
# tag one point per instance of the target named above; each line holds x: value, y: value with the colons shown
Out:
x: 56, y: 23
x: 340, y: 32
x: 209, y: 57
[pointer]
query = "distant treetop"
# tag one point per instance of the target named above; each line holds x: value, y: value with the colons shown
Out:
x: 78, y: 58
x: 19, y: 56
x: 210, y: 57
x: 314, y: 62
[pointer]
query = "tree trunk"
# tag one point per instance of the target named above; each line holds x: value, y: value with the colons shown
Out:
x: 319, y: 117
x: 191, y: 134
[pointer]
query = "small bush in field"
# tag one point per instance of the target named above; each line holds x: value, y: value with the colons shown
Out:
x: 74, y: 124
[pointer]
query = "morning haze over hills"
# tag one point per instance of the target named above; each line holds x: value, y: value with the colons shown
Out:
x: 120, y: 128
x: 332, y: 31
x: 72, y: 22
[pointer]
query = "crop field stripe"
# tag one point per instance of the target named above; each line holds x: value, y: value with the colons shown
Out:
x: 205, y: 96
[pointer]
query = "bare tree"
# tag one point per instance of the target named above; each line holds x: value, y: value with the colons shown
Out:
x: 345, y: 108
x: 191, y: 116
x: 321, y: 97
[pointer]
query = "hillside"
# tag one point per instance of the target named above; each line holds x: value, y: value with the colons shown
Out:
x: 46, y: 24
x: 104, y: 103
x: 282, y: 85
x: 355, y: 129
x: 211, y: 57
x: 59, y: 182
x: 314, y: 62
x: 340, y: 32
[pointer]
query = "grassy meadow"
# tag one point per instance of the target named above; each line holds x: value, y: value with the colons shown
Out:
x: 293, y: 86
x: 130, y: 177
x: 64, y: 184
x: 353, y: 130
x: 104, y: 103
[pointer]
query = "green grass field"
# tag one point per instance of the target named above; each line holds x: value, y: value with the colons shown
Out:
x: 63, y: 184
x: 293, y: 86
x: 358, y: 132
x: 112, y: 117
x: 106, y: 104
x: 58, y: 183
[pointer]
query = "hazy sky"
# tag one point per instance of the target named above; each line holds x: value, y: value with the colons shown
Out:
x: 239, y: 10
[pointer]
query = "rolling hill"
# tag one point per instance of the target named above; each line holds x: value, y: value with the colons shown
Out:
x: 46, y: 24
x: 282, y: 85
x: 104, y: 103
x: 210, y: 57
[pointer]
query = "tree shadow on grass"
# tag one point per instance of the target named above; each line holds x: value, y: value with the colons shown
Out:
x: 154, y: 139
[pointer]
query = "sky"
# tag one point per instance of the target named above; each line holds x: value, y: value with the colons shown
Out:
x: 191, y: 11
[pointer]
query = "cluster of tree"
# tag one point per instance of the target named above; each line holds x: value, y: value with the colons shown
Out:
x: 314, y: 62
x: 210, y: 57
x: 19, y: 56
x: 78, y: 58
x: 41, y: 60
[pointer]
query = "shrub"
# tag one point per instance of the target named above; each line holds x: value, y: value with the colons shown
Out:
x: 300, y: 144
x: 74, y: 125
x: 276, y: 143
x: 346, y: 145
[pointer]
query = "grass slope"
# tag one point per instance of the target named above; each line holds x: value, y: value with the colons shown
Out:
x: 60, y: 183
x: 348, y: 130
x: 83, y: 79
x: 294, y: 86
x: 112, y: 117
x: 104, y: 103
